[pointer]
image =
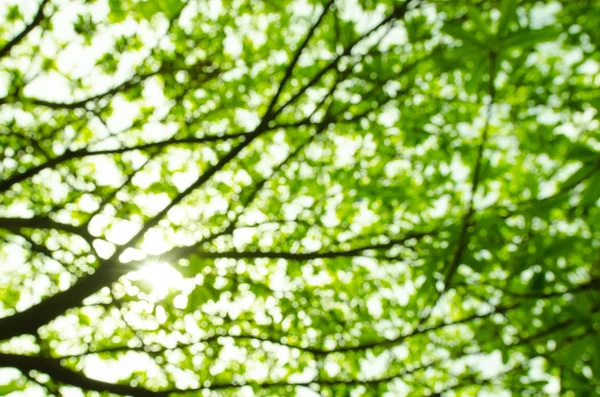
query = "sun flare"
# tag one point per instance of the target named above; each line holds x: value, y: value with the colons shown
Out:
x: 160, y: 276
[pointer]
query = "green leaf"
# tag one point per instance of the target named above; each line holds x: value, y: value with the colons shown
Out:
x: 538, y: 281
x: 14, y: 14
x: 573, y: 353
x: 505, y: 356
x: 583, y: 153
x: 591, y: 194
x: 530, y: 38
x: 481, y: 65
x: 475, y: 16
x: 577, y: 177
x: 457, y: 32
x: 538, y: 383
x: 507, y: 12
x: 84, y: 319
x: 11, y: 387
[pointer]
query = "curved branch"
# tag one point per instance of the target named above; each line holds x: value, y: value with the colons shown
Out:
x: 53, y: 368
x: 81, y: 153
x: 292, y: 64
x: 593, y: 284
x: 29, y: 320
x: 463, y: 238
x: 15, y: 224
x: 82, y: 103
x: 398, y: 13
x: 39, y: 17
x: 496, y: 310
x: 156, y: 349
x: 178, y: 253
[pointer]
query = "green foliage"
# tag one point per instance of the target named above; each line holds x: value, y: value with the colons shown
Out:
x: 11, y: 387
x: 283, y: 198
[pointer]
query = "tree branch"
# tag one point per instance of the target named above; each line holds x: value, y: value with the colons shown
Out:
x: 81, y: 153
x: 58, y: 372
x: 292, y: 64
x: 15, y: 224
x: 180, y: 252
x: 29, y: 320
x: 39, y: 17
x: 398, y: 12
x: 110, y: 270
x: 463, y: 239
x: 53, y: 368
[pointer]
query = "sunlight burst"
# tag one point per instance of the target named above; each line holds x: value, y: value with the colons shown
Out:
x: 160, y: 276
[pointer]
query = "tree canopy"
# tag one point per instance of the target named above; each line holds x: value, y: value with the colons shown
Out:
x: 299, y: 198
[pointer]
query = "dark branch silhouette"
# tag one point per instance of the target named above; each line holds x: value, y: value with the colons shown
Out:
x: 39, y: 17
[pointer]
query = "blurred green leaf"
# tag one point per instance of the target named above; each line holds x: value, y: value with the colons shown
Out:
x: 475, y: 16
x: 12, y: 387
x: 583, y: 153
x: 507, y: 13
x: 591, y: 194
x: 538, y: 281
x: 530, y: 38
x: 578, y: 176
x: 456, y: 31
